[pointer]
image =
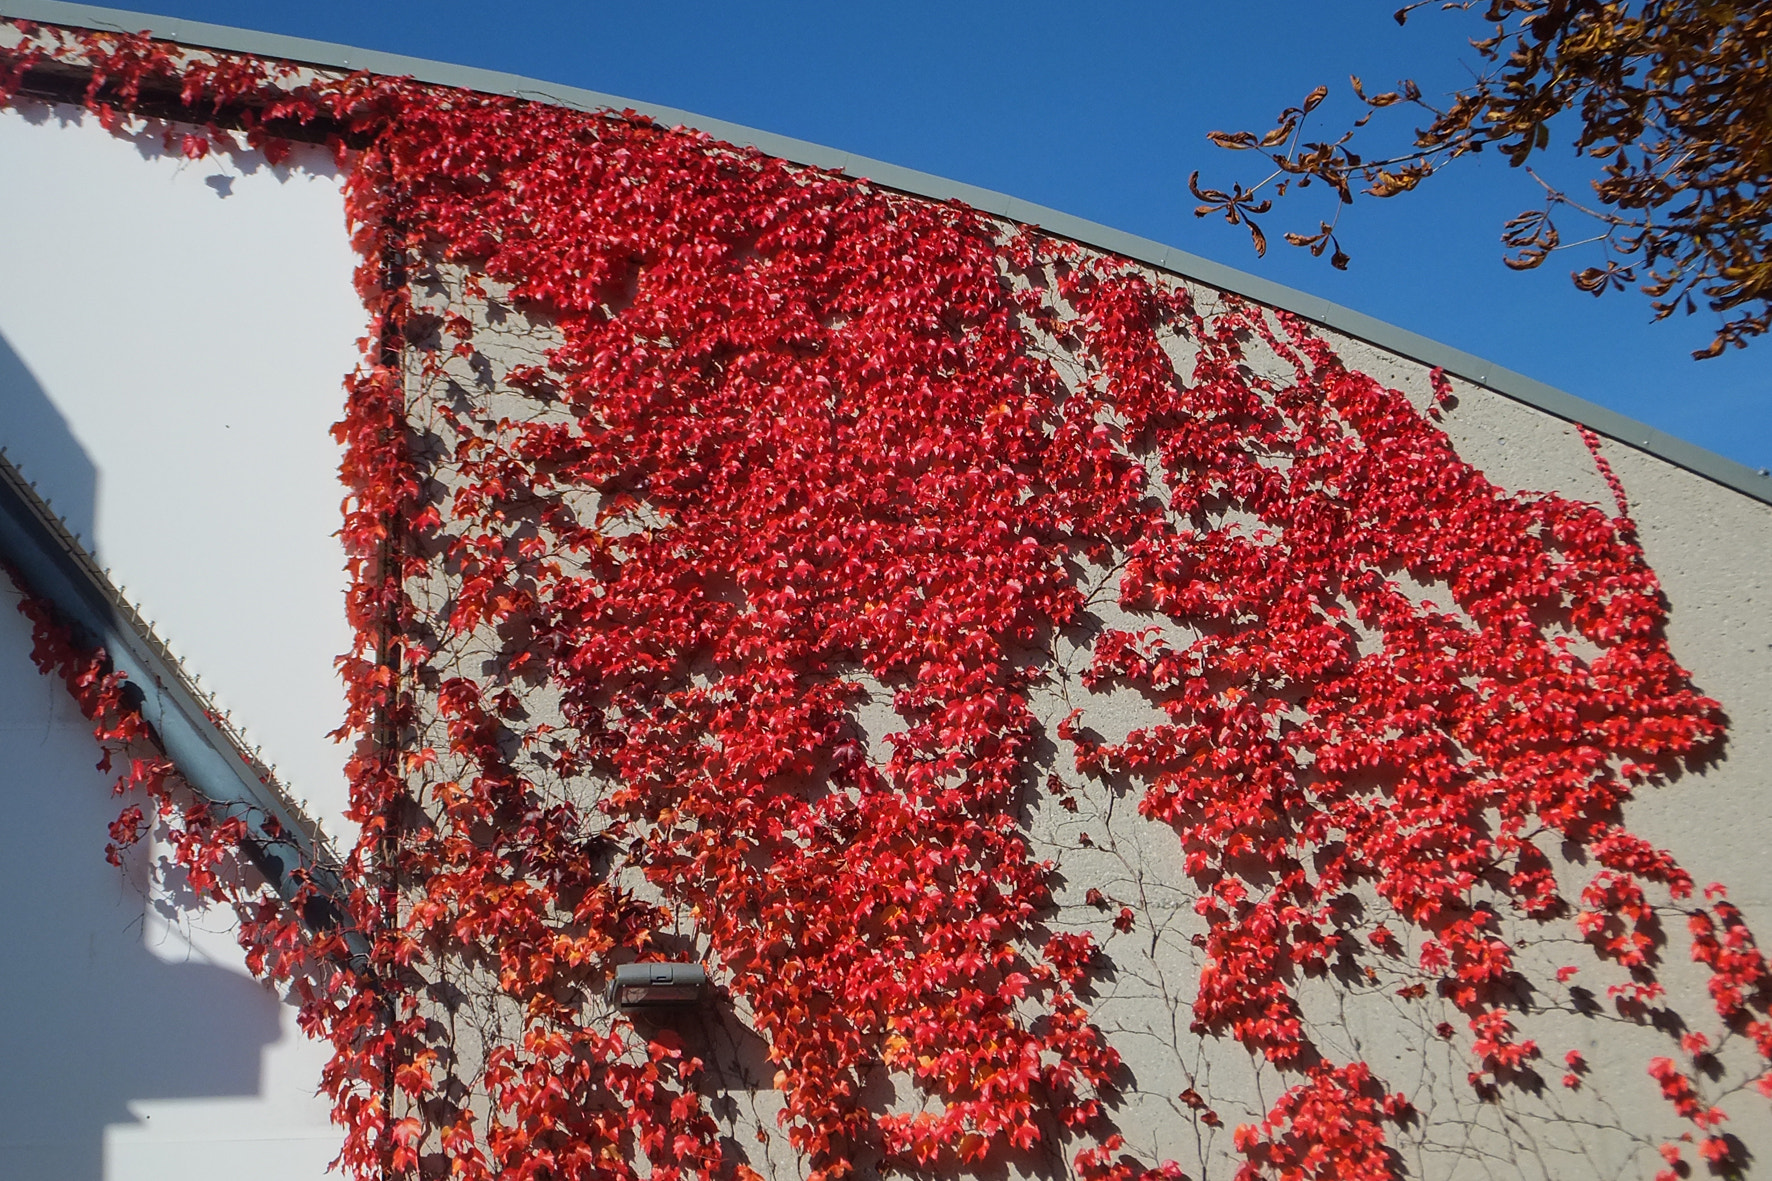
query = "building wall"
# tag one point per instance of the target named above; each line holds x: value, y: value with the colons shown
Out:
x: 1710, y: 546
x: 173, y: 353
x: 172, y: 339
x: 169, y: 374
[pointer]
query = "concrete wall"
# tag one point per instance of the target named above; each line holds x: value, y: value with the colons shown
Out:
x: 172, y: 339
x: 1712, y: 548
x: 169, y: 363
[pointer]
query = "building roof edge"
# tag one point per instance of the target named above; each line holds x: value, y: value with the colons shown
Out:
x: 1520, y: 388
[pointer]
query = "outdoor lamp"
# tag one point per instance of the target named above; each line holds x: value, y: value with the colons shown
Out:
x: 656, y: 985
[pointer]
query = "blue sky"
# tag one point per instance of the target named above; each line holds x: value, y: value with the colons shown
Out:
x: 1101, y: 111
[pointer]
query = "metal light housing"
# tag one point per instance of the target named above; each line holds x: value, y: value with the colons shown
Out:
x: 656, y: 986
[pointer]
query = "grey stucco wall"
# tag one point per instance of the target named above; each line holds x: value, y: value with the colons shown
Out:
x: 1711, y: 548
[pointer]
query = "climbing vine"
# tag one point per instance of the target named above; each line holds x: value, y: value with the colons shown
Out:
x: 208, y: 842
x: 617, y: 606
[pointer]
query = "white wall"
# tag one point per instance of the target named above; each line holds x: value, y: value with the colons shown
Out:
x: 136, y: 1046
x: 173, y: 337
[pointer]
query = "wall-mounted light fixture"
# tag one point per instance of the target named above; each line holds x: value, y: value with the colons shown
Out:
x: 656, y: 985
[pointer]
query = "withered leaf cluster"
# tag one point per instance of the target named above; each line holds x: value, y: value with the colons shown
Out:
x: 1669, y: 100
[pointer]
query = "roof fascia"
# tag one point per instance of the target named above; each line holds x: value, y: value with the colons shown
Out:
x: 285, y: 843
x: 1517, y: 386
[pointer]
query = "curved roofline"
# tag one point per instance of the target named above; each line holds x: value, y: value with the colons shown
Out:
x: 1519, y: 387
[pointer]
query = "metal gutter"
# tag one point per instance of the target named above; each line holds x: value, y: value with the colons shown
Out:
x: 211, y: 756
x: 328, y: 55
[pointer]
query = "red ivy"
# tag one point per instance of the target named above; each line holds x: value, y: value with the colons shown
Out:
x: 829, y: 401
x: 205, y: 839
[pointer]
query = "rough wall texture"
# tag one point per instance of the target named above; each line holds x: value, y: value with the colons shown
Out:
x: 1183, y: 1092
x: 1102, y: 549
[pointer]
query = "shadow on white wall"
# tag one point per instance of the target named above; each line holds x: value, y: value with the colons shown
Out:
x: 172, y: 339
x: 111, y: 1006
x: 57, y: 463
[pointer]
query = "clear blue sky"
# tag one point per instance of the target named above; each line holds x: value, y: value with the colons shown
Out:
x: 1101, y: 110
